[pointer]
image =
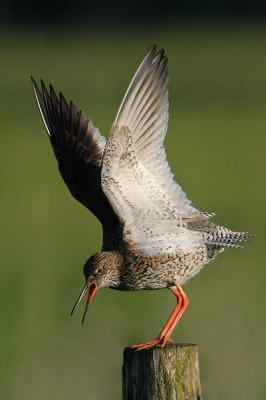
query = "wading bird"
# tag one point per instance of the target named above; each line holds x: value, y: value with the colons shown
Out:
x: 153, y: 237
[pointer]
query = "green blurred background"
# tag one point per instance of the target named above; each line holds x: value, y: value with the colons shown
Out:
x: 216, y: 148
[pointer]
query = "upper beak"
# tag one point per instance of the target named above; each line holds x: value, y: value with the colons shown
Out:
x: 92, y: 287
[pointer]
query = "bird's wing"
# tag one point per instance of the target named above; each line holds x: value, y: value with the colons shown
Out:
x: 78, y: 147
x: 136, y: 176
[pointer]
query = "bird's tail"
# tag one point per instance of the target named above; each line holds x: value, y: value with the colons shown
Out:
x: 217, y: 237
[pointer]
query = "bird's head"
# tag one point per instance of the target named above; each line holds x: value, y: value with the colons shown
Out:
x: 100, y: 270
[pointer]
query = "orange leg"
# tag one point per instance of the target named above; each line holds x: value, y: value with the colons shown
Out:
x: 164, y: 336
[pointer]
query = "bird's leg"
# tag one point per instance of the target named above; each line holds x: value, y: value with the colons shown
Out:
x: 164, y: 336
x: 171, y: 323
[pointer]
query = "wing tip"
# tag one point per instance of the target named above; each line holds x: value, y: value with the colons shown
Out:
x: 61, y: 120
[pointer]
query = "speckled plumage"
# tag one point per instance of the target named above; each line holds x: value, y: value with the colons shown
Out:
x: 153, y: 237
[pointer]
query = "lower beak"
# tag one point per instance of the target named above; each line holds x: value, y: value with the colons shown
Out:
x: 92, y: 287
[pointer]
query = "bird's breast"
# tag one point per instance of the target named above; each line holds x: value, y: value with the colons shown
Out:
x: 159, y: 272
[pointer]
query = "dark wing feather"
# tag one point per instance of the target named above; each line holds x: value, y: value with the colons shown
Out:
x: 79, y: 149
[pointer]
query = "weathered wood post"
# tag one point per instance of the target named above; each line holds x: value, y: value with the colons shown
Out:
x: 169, y: 373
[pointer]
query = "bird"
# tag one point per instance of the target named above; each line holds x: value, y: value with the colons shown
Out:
x: 153, y: 236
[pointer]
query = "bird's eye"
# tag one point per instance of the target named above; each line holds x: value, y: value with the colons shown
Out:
x: 99, y: 270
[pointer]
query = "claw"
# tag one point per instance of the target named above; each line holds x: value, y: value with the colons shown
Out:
x: 160, y: 341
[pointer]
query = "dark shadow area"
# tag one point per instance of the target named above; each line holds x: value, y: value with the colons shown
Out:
x: 49, y: 12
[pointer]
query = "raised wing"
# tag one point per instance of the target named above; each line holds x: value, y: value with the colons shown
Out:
x: 78, y: 147
x: 136, y: 176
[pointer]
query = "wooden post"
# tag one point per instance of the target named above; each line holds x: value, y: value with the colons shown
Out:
x: 167, y: 373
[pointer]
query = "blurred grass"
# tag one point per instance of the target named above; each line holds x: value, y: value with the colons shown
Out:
x: 216, y: 148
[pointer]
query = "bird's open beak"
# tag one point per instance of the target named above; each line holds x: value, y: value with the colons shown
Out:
x: 92, y: 287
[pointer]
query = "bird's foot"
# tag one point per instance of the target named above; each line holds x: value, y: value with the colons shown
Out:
x: 159, y: 341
